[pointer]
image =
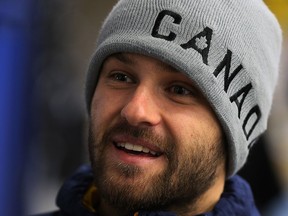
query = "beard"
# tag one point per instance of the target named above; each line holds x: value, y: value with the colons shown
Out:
x: 187, y: 174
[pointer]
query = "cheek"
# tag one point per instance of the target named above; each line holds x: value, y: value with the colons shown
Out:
x: 195, y: 126
x: 97, y: 109
x: 100, y: 108
x: 105, y: 108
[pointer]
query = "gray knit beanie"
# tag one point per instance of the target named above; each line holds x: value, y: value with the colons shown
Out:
x: 229, y: 48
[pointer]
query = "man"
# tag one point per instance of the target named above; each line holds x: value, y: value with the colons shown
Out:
x: 177, y: 93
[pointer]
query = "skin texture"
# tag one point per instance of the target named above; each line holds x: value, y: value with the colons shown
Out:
x: 144, y: 102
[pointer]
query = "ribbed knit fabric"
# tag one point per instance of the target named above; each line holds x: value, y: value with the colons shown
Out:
x: 229, y: 48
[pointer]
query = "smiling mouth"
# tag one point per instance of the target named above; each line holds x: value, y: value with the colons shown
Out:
x: 136, y: 149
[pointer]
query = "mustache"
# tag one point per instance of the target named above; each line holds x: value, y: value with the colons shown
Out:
x: 164, y: 143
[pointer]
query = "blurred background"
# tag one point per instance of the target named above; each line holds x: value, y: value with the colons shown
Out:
x: 45, y: 48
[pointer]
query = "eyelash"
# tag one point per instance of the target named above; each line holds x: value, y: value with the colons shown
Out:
x: 182, y: 89
x: 121, y: 77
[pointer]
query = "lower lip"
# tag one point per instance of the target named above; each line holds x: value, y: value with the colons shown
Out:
x: 139, y: 160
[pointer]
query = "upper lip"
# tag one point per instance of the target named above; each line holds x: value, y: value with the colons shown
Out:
x: 118, y: 139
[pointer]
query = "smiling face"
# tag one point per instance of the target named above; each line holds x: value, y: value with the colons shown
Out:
x: 154, y: 141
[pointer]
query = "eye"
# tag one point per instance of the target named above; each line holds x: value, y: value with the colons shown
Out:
x: 183, y: 93
x: 121, y: 77
x: 180, y: 90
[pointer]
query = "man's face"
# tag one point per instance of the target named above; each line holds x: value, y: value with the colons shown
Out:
x: 154, y: 141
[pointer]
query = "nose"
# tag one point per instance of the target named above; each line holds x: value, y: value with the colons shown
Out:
x: 141, y: 109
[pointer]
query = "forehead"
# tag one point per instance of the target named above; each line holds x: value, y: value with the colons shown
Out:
x: 134, y: 59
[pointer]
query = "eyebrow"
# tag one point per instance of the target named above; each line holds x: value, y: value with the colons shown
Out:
x: 128, y: 59
x: 124, y: 58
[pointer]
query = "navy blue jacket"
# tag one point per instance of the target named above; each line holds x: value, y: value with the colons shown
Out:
x: 236, y: 200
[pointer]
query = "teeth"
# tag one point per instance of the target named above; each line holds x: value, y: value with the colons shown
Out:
x: 128, y: 146
x: 145, y: 150
x: 136, y: 148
